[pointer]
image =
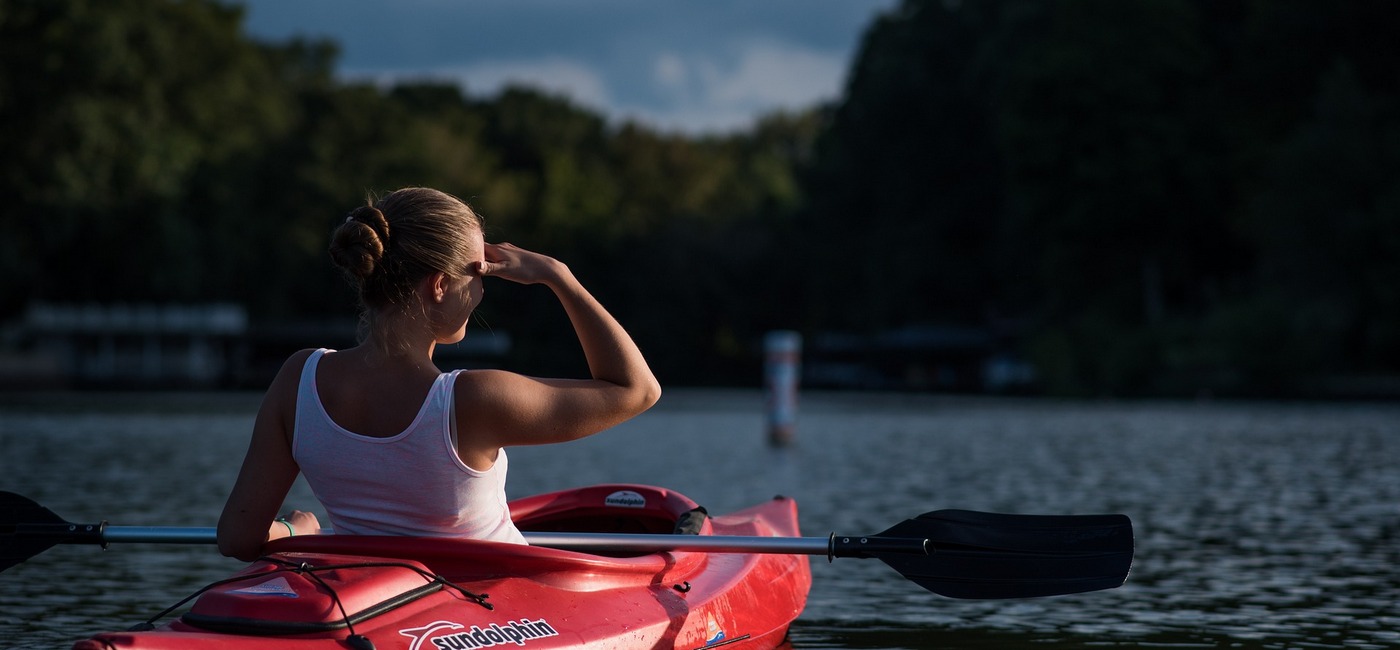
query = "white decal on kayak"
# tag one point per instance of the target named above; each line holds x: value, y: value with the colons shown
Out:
x: 273, y: 587
x: 625, y: 499
x: 714, y: 633
x: 511, y: 632
x: 418, y: 634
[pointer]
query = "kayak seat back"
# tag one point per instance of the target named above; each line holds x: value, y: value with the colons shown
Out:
x: 611, y: 508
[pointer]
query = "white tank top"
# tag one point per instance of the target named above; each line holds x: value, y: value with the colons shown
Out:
x: 412, y: 483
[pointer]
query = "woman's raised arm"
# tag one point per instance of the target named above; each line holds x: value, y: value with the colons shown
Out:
x: 501, y: 408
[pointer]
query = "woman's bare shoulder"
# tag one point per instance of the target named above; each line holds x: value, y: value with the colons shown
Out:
x: 284, y: 385
x: 494, y: 400
x: 482, y: 387
x: 294, y: 363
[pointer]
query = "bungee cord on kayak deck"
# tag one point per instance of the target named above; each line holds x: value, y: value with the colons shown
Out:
x: 434, y: 583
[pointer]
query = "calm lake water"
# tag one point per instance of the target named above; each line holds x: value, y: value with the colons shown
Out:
x: 1258, y: 525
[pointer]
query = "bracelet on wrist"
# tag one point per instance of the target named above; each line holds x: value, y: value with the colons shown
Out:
x: 291, y: 532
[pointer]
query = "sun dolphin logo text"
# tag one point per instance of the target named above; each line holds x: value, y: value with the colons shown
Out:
x: 516, y: 632
x: 625, y: 499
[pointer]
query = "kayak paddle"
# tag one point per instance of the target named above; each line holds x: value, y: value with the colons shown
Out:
x: 954, y: 553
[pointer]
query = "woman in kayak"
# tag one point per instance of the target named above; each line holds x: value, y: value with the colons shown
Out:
x: 390, y: 444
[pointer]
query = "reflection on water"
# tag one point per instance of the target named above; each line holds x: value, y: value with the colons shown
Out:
x: 1258, y: 525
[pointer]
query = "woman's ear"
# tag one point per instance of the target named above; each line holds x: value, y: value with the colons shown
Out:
x: 437, y: 286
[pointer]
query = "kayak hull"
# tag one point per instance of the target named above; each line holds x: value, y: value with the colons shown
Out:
x: 447, y: 594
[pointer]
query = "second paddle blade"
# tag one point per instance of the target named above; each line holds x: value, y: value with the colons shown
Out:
x: 19, y: 518
x: 988, y: 555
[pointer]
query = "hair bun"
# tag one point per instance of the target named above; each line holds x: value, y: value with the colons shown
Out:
x: 358, y: 245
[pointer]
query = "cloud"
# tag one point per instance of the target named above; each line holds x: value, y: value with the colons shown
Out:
x: 772, y: 75
x: 669, y: 71
x: 692, y: 93
x: 705, y: 92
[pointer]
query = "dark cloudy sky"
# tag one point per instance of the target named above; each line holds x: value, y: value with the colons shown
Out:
x: 687, y: 65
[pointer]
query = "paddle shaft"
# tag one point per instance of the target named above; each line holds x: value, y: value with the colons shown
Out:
x: 832, y: 546
x: 979, y: 554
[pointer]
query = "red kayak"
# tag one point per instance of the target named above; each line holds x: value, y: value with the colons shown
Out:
x: 330, y: 591
x: 611, y: 566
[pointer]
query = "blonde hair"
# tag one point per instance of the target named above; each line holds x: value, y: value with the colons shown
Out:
x: 386, y: 247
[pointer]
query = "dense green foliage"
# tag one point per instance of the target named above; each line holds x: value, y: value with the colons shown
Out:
x: 1157, y: 196
x: 1164, y: 196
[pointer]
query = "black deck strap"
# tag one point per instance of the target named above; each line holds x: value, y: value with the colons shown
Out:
x: 150, y: 623
x: 691, y: 522
x: 357, y: 641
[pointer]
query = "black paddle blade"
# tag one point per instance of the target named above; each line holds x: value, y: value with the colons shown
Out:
x: 17, y: 513
x: 987, y: 555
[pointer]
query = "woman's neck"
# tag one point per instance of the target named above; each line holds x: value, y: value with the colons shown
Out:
x: 388, y: 347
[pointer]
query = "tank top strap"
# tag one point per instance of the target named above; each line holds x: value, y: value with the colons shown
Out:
x: 307, y: 407
x: 449, y: 409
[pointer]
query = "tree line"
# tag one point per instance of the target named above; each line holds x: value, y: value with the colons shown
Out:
x: 1155, y: 197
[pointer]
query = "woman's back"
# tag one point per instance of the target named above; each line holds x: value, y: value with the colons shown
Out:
x: 408, y: 483
x: 372, y: 398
